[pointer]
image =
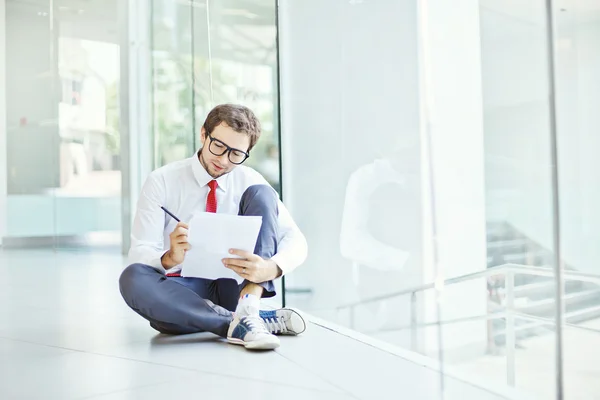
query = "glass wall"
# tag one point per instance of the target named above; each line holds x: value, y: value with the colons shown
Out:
x: 577, y: 42
x: 519, y: 200
x: 206, y: 53
x: 418, y: 158
x: 351, y: 156
x: 63, y: 178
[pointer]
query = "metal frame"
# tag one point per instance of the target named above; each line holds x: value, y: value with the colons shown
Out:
x: 557, y: 261
x: 3, y: 133
x: 277, y: 119
x: 426, y: 120
x: 137, y: 147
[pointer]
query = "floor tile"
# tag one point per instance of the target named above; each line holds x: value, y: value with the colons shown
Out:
x: 10, y: 349
x: 65, y: 333
x: 77, y: 375
x: 215, y: 387
x: 75, y: 331
x: 370, y: 373
x: 208, y: 353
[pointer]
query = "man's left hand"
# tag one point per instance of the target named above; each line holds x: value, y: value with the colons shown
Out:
x: 252, y: 267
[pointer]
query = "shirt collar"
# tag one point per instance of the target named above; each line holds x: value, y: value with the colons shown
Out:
x: 202, y: 177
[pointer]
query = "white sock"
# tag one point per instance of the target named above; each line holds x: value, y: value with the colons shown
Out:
x: 248, y: 305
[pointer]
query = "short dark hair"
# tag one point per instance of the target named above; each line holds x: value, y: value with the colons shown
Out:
x: 239, y: 118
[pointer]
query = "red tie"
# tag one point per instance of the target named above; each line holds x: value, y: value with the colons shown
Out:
x: 211, y: 200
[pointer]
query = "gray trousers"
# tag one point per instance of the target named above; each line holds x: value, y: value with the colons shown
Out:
x: 178, y: 305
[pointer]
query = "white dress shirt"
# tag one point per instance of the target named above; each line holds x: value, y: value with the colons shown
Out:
x: 182, y: 188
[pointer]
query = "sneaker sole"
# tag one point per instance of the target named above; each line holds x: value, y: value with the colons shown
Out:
x: 254, y: 345
x: 297, y: 322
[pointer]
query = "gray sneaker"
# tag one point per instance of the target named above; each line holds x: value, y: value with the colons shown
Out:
x: 250, y: 332
x: 284, y: 321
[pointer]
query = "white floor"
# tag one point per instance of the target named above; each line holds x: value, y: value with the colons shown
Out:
x: 535, y: 364
x: 65, y: 333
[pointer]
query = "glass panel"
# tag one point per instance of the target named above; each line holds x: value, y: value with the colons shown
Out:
x: 172, y: 80
x: 32, y: 121
x: 64, y: 177
x: 88, y: 107
x: 242, y: 61
x: 452, y: 324
x: 577, y: 43
x: 352, y: 166
x: 207, y: 53
x: 519, y: 347
x: 243, y: 69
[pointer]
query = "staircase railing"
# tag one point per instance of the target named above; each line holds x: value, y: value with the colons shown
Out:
x: 510, y: 313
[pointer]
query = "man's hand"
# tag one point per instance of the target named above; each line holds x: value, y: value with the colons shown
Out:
x: 179, y: 245
x: 252, y: 267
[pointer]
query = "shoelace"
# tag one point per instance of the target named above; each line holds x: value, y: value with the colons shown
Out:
x: 276, y: 325
x: 256, y: 324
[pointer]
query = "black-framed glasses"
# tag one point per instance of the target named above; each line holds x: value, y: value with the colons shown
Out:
x: 218, y: 148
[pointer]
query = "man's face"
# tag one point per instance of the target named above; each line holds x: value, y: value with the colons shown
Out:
x: 217, y: 166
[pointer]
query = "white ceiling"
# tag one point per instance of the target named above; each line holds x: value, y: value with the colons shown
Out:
x: 84, y: 19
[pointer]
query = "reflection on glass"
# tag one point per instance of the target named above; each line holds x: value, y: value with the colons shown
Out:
x: 577, y: 46
x: 63, y: 138
x: 380, y: 234
x: 209, y: 53
x: 519, y: 217
x: 350, y: 111
x: 242, y: 54
x: 89, y: 117
x: 172, y: 80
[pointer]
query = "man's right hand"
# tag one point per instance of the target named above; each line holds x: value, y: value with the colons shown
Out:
x: 179, y: 245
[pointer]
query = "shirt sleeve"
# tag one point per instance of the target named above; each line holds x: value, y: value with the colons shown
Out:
x: 292, y: 246
x: 147, y: 234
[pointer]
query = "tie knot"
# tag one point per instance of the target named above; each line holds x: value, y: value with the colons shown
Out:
x: 213, y: 184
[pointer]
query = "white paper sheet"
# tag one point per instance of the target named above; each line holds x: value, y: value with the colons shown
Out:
x: 211, y: 236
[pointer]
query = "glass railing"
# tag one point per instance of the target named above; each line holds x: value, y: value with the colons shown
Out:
x: 518, y: 347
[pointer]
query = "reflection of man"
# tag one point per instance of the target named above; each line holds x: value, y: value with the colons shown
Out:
x: 380, y: 230
x: 365, y: 238
x: 213, y: 181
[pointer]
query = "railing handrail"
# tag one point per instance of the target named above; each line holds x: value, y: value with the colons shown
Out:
x: 517, y: 268
x: 485, y: 317
x: 549, y: 272
x: 511, y: 312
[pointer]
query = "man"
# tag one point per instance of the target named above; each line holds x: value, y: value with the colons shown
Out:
x: 213, y: 180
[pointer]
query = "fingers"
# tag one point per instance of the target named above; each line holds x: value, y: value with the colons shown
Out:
x: 179, y: 231
x: 248, y: 267
x: 242, y: 253
x: 179, y: 240
x: 246, y: 273
x: 182, y: 225
x: 238, y: 262
x: 180, y: 243
x: 179, y: 234
x: 236, y: 269
x: 241, y: 269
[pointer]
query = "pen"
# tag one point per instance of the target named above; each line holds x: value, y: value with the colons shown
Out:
x: 170, y: 213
